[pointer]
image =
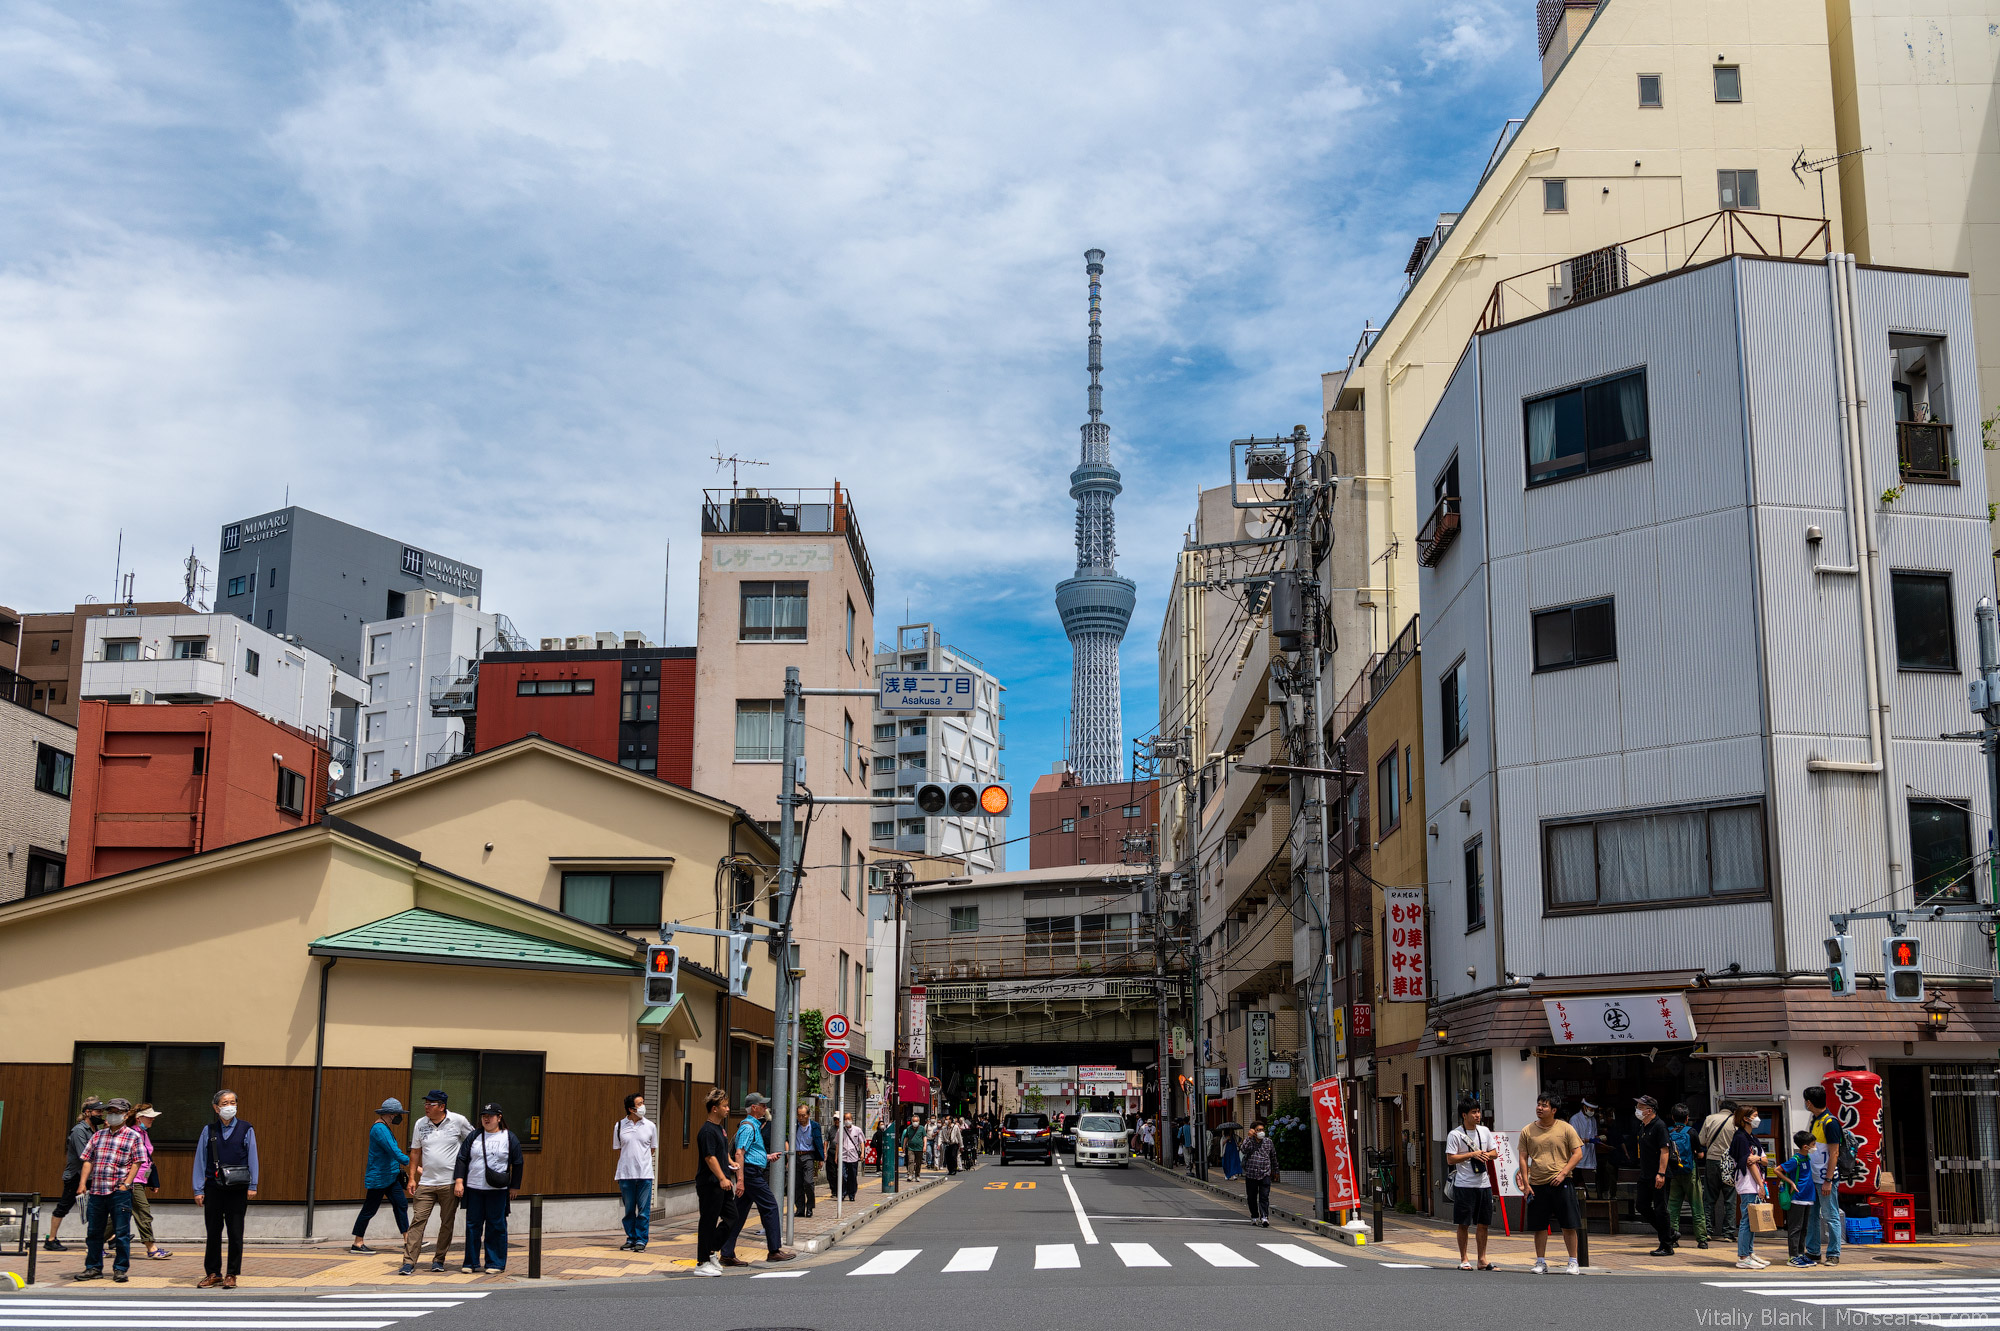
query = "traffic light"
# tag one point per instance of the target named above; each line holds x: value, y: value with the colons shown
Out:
x: 1903, y: 968
x: 739, y: 965
x: 1840, y: 965
x: 663, y: 974
x: 934, y: 799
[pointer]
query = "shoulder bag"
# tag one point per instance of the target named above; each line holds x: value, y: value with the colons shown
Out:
x: 498, y: 1179
x: 229, y: 1176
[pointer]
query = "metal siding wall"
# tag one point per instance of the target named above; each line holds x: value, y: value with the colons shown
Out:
x: 1699, y: 937
x: 1452, y: 948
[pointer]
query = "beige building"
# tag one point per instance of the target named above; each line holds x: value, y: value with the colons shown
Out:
x: 476, y: 929
x: 37, y: 755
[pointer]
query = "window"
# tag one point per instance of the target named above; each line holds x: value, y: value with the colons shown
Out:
x: 374, y: 726
x: 1385, y: 796
x: 238, y: 586
x: 1728, y: 83
x: 1069, y: 824
x: 965, y: 919
x: 1646, y: 859
x: 190, y: 649
x: 638, y: 697
x: 45, y: 871
x: 1925, y: 637
x: 885, y: 762
x: 378, y: 648
x: 1649, y: 90
x: 846, y: 865
x: 885, y: 732
x: 251, y: 662
x: 1555, y: 196
x: 1941, y: 851
x: 882, y: 831
x: 1591, y: 427
x: 615, y: 900
x: 1575, y: 635
x: 200, y: 759
x: 760, y: 731
x: 1083, y: 811
x: 860, y: 992
x: 378, y: 688
x: 512, y: 1081
x: 121, y: 649
x: 180, y: 1080
x: 1454, y: 708
x: 1736, y: 189
x: 850, y: 628
x: 1475, y: 885
x: 1409, y: 773
x: 274, y: 575
x: 774, y: 612
x: 53, y: 770
x: 371, y: 767
x: 847, y: 744
x: 842, y: 974
x: 291, y: 791
x: 1134, y: 811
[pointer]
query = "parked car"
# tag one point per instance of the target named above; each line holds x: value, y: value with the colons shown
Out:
x: 1028, y: 1137
x: 1103, y: 1139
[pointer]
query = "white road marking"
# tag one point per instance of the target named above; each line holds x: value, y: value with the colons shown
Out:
x: 208, y: 1321
x: 1407, y: 1266
x: 1929, y: 1302
x: 777, y: 1275
x: 1297, y: 1255
x: 398, y: 1298
x: 1217, y: 1254
x: 1082, y: 1220
x: 1139, y: 1254
x: 886, y: 1263
x: 1056, y: 1257
x: 971, y: 1259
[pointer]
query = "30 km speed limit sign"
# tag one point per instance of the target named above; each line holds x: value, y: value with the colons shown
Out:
x: 835, y: 1027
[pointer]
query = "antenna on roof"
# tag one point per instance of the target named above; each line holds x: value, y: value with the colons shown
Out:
x: 195, y: 581
x: 733, y: 462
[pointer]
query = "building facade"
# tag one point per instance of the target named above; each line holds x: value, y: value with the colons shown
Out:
x: 1708, y: 612
x: 317, y: 580
x: 48, y: 651
x: 631, y: 705
x: 37, y: 781
x: 421, y: 672
x: 910, y: 750
x: 1071, y: 823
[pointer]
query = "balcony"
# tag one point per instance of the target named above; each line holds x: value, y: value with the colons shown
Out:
x: 753, y: 512
x: 917, y: 743
x: 1263, y: 855
x: 1438, y: 532
x: 1923, y: 451
x: 1257, y: 960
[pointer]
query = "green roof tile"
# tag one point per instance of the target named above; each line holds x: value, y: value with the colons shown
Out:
x: 431, y: 936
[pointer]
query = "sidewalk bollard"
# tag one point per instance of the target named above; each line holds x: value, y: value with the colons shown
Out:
x: 1378, y: 1214
x: 1583, y: 1242
x: 535, y: 1237
x: 33, y: 1229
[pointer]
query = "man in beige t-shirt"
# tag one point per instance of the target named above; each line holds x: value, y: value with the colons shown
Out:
x: 1550, y: 1151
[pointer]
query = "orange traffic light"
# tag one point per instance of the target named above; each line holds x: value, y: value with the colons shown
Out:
x: 993, y: 801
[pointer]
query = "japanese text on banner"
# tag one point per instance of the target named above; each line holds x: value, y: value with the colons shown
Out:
x: 1407, y: 939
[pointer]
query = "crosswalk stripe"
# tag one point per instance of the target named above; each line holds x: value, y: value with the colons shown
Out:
x: 454, y: 1295
x: 1138, y: 1254
x: 971, y: 1259
x: 1056, y: 1257
x: 1298, y: 1256
x: 886, y: 1263
x: 777, y: 1275
x: 211, y: 1323
x: 192, y: 1306
x: 1217, y: 1254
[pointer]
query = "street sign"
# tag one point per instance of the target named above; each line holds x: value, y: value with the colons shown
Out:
x: 917, y: 1027
x: 925, y: 691
x: 1211, y: 1081
x: 833, y: 1044
x: 1258, y: 1064
x: 1342, y: 1191
x: 835, y: 1026
x: 835, y: 1062
x: 1280, y: 1071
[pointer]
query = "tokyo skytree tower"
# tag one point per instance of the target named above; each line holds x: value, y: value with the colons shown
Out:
x: 1096, y: 604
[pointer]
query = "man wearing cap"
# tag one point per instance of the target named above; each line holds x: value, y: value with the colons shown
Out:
x: 1711, y: 1148
x: 1584, y: 1121
x: 486, y: 1178
x: 753, y: 1164
x: 434, y: 1147
x: 111, y: 1161
x: 87, y: 1123
x: 383, y: 1177
x: 1653, y: 1170
x: 1550, y: 1150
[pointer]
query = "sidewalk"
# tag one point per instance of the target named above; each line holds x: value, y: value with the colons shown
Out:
x: 591, y: 1256
x: 1417, y: 1238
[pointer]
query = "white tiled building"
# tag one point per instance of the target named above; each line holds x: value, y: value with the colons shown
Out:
x: 910, y: 750
x: 408, y: 662
x: 37, y: 754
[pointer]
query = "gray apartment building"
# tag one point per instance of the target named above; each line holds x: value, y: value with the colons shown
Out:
x: 318, y: 580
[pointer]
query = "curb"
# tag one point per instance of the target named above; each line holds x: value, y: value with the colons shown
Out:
x: 861, y: 1217
x: 1353, y: 1238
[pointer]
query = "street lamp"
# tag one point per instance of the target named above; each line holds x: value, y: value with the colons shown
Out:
x: 1443, y: 1033
x: 1937, y: 1013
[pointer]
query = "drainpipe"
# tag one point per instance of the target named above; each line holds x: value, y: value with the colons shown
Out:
x: 319, y: 1085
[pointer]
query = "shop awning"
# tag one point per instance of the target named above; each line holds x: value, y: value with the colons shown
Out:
x: 430, y: 936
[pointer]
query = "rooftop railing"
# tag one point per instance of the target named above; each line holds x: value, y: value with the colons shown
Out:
x: 751, y: 511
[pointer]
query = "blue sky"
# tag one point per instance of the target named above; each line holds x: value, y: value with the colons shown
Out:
x: 498, y: 277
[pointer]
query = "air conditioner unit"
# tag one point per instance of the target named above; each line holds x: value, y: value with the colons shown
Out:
x: 141, y: 696
x: 579, y: 644
x: 607, y: 642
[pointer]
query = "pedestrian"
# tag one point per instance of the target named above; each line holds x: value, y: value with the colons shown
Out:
x: 1711, y: 1153
x: 949, y: 1138
x: 808, y: 1149
x: 383, y: 1179
x: 634, y: 1138
x: 1146, y: 1138
x: 850, y: 1158
x: 717, y: 1185
x: 1550, y: 1150
x: 433, y: 1161
x: 881, y: 1142
x: 486, y: 1177
x: 1828, y: 1135
x: 87, y: 1123
x: 1746, y: 1177
x: 931, y: 1144
x: 111, y: 1160
x: 1799, y: 1193
x: 1469, y: 1149
x: 1584, y: 1120
x: 968, y: 1143
x: 225, y: 1179
x: 1683, y: 1184
x: 145, y: 1183
x: 1232, y: 1158
x: 913, y: 1148
x: 1184, y: 1144
x: 1653, y: 1150
x: 1260, y: 1160
x: 753, y: 1169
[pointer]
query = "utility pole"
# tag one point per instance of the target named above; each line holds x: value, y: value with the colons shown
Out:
x: 784, y: 1084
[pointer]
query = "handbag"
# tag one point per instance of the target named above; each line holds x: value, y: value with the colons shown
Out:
x: 497, y: 1179
x: 229, y: 1176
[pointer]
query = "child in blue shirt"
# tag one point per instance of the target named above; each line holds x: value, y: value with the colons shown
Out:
x: 1801, y: 1189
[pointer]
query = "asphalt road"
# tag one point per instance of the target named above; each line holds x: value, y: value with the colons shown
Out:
x: 1007, y: 1247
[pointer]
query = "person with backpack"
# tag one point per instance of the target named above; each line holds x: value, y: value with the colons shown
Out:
x: 1468, y: 1150
x: 487, y: 1177
x: 1797, y: 1194
x: 1830, y: 1133
x: 1711, y: 1151
x: 1683, y: 1184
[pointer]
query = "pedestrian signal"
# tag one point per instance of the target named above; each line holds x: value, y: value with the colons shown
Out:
x: 739, y: 965
x: 964, y: 801
x: 663, y: 974
x: 1840, y: 965
x: 1903, y: 968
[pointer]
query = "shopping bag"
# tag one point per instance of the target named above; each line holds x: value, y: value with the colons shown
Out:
x: 1762, y: 1219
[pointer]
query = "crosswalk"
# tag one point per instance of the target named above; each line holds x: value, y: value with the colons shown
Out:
x: 331, y: 1312
x: 1910, y: 1302
x: 1068, y: 1257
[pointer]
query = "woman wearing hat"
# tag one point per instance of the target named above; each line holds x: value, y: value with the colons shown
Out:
x: 488, y: 1174
x: 384, y: 1178
x: 147, y: 1178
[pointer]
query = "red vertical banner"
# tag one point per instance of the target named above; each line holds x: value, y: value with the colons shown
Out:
x: 1342, y: 1192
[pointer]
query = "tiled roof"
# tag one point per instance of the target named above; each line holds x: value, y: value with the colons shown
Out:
x: 428, y: 935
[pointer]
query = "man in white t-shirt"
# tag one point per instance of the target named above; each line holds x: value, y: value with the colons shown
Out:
x: 1468, y: 1150
x: 851, y: 1142
x: 434, y: 1143
x: 634, y: 1137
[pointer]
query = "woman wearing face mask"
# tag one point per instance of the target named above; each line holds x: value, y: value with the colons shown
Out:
x: 384, y: 1179
x: 225, y: 1179
x: 1259, y: 1159
x: 146, y: 1182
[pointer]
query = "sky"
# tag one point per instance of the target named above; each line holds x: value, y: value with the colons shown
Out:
x: 498, y: 278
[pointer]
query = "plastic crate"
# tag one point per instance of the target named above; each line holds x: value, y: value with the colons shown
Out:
x: 1863, y: 1231
x: 1889, y: 1206
x: 1900, y: 1231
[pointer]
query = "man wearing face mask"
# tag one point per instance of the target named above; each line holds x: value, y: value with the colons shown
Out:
x: 80, y: 1133
x: 633, y: 1137
x: 225, y: 1179
x: 110, y: 1162
x: 384, y: 1177
x: 1259, y: 1156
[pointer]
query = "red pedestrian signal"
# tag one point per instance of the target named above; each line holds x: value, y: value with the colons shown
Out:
x: 1903, y: 968
x: 663, y: 964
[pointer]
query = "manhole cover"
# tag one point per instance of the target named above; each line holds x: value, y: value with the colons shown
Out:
x: 1898, y: 1257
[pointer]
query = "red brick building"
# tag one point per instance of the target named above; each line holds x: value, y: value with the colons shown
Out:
x: 1077, y: 824
x: 633, y: 706
x: 157, y: 781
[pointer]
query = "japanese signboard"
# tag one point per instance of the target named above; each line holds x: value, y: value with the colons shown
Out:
x: 916, y: 1043
x: 1211, y: 1081
x: 1363, y: 1020
x: 1507, y: 1169
x: 1630, y: 1019
x: 1177, y: 1045
x: 1051, y: 1072
x: 1257, y: 1060
x: 925, y: 691
x: 1407, y: 944
x: 1746, y: 1076
x: 773, y: 557
x: 1341, y: 1189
